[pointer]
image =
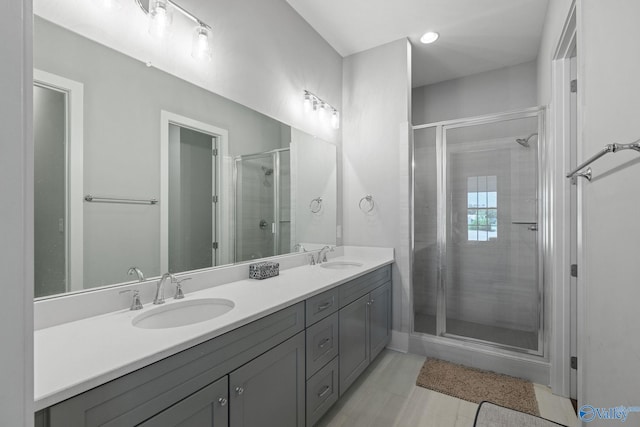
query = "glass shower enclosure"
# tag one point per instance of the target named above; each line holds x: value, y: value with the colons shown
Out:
x: 477, y: 231
x: 263, y: 204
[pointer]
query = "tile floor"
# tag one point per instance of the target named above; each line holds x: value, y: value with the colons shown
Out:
x: 386, y: 396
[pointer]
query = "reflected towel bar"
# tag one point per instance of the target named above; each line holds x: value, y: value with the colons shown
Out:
x: 609, y: 148
x: 90, y: 198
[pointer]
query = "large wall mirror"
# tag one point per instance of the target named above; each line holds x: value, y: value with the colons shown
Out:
x: 138, y: 168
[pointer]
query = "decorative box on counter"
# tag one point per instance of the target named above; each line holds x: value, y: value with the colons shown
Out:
x: 263, y: 270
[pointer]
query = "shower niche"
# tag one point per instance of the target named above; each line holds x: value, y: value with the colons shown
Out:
x: 477, y: 215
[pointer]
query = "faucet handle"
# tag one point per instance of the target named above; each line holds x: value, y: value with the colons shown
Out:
x: 312, y: 260
x: 179, y: 294
x: 135, y: 302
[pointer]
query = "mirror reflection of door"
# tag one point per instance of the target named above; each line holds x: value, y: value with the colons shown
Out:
x: 49, y: 133
x: 192, y: 199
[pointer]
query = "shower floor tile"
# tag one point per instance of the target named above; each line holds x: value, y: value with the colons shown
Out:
x: 425, y: 323
x: 385, y: 395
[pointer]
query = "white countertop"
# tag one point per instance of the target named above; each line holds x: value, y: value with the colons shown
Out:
x: 74, y: 357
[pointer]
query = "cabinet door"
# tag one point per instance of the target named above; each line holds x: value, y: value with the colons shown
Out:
x: 205, y: 408
x: 380, y: 318
x: 269, y: 391
x: 354, y: 341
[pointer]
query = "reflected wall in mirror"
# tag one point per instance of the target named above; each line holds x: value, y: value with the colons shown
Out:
x: 138, y: 133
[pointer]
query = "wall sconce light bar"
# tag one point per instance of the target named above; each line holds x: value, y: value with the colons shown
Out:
x: 144, y: 5
x: 313, y: 102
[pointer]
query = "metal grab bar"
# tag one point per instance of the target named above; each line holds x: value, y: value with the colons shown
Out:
x: 609, y: 148
x: 90, y: 198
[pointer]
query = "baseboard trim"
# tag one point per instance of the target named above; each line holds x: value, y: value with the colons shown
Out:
x: 399, y: 341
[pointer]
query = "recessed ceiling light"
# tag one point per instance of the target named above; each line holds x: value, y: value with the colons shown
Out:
x: 429, y: 37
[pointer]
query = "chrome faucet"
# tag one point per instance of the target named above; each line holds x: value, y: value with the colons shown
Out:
x: 159, y: 299
x: 322, y: 255
x: 135, y: 270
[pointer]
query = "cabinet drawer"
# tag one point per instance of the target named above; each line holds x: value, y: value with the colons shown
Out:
x: 322, y: 392
x: 356, y: 288
x: 322, y: 343
x: 320, y: 306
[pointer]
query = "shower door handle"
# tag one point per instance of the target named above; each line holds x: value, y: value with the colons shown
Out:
x: 532, y: 226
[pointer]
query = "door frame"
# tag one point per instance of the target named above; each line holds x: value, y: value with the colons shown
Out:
x: 559, y: 155
x: 74, y: 173
x: 222, y: 181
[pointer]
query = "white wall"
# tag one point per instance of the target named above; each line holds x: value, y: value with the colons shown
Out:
x: 377, y: 98
x: 609, y: 344
x: 557, y: 12
x: 496, y: 91
x: 16, y: 211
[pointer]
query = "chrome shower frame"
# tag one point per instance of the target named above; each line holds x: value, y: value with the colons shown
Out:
x: 543, y: 230
x: 275, y: 155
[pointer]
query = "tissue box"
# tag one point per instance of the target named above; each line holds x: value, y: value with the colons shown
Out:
x: 263, y: 270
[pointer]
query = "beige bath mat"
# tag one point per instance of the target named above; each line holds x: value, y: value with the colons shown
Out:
x: 475, y: 385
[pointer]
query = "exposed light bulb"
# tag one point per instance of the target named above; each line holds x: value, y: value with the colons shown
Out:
x: 307, y: 103
x: 335, y: 119
x: 322, y: 112
x: 429, y: 37
x: 201, y: 45
x: 160, y: 17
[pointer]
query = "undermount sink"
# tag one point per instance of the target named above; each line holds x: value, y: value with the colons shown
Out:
x: 340, y: 265
x: 183, y: 313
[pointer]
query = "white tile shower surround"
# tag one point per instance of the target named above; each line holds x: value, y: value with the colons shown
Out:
x: 386, y: 396
x: 73, y: 357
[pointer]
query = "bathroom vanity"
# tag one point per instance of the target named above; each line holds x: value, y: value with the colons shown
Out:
x: 284, y: 362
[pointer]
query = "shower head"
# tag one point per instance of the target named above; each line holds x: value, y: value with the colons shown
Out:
x: 267, y: 171
x: 525, y: 141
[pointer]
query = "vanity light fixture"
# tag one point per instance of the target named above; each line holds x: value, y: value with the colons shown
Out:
x: 429, y: 37
x: 160, y: 17
x: 312, y: 102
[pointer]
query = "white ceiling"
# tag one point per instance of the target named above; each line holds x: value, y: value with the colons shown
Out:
x: 475, y: 35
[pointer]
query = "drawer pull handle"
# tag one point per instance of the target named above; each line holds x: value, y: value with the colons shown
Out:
x: 239, y: 390
x: 325, y: 305
x: 324, y: 391
x: 222, y: 401
x: 323, y: 342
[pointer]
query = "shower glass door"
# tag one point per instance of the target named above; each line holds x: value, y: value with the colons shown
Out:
x: 263, y: 193
x: 477, y: 262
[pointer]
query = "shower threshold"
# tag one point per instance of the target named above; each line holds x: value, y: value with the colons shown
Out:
x: 511, y: 339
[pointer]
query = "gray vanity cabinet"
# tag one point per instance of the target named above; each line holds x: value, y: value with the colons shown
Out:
x: 379, y: 319
x: 354, y: 341
x: 270, y: 390
x: 182, y: 387
x: 207, y: 407
x: 365, y: 324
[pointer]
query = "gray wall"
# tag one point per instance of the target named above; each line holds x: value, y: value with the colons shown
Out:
x: 49, y: 134
x: 123, y: 99
x: 16, y: 211
x: 496, y: 91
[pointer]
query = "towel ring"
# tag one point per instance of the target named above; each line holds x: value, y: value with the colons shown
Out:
x: 316, y: 205
x: 368, y: 206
